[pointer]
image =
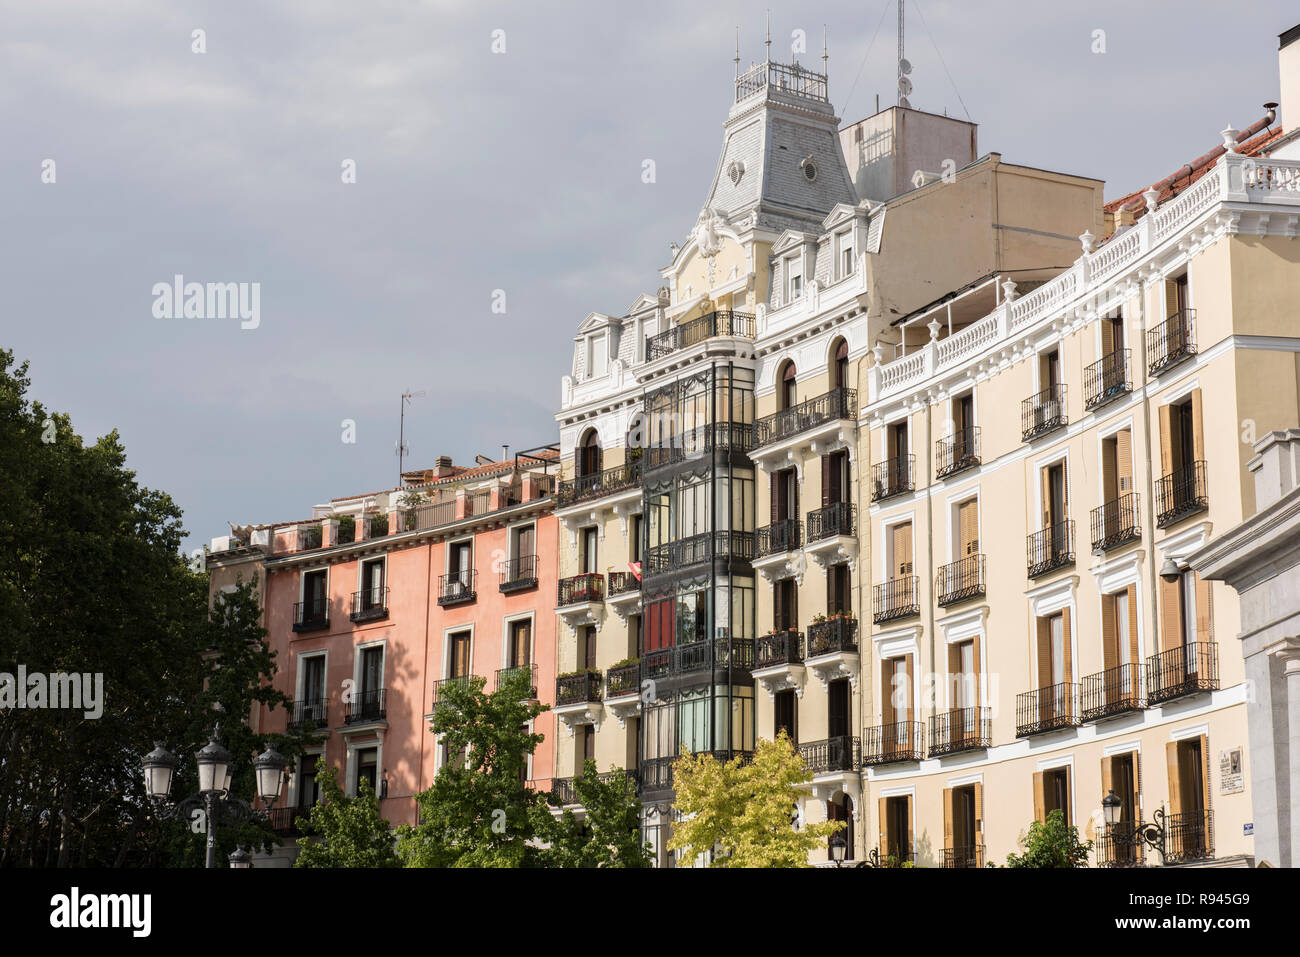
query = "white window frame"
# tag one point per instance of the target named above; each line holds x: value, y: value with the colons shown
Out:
x: 353, y: 765
x: 887, y: 527
x: 506, y: 622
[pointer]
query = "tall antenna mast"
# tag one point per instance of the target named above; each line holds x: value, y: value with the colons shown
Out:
x: 825, y: 55
x: 407, y: 396
x: 737, y: 60
x: 768, y: 42
x: 904, y: 68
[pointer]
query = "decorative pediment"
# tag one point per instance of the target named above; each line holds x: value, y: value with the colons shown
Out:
x: 841, y: 214
x: 791, y: 239
x: 595, y: 321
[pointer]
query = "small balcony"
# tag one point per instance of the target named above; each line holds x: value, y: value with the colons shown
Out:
x: 458, y: 588
x: 1181, y: 493
x: 1107, y: 379
x: 830, y: 521
x: 586, y: 488
x: 505, y: 674
x: 778, y: 538
x: 1187, y: 669
x: 720, y: 323
x: 890, y: 743
x: 578, y: 687
x: 1043, y: 412
x: 566, y: 793
x: 896, y: 855
x: 779, y: 648
x: 969, y: 855
x: 366, y: 706
x: 581, y: 590
x: 283, y: 820
x: 960, y: 580
x: 311, y: 615
x: 518, y: 574
x: 1189, y: 836
x: 895, y: 598
x: 833, y: 636
x: 623, y: 680
x: 1051, y: 548
x: 892, y: 477
x: 699, y: 549
x: 623, y: 583
x: 443, y: 683
x: 828, y: 407
x: 960, y: 729
x: 1116, y: 523
x: 369, y: 604
x: 1047, y: 709
x: 735, y: 654
x: 1119, y: 846
x: 1172, y: 341
x: 1112, y: 692
x: 961, y: 451
x: 309, y: 713
x: 843, y: 753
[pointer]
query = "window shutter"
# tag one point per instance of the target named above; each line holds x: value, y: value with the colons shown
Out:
x: 1198, y: 431
x: 1206, y: 792
x: 968, y: 527
x: 776, y: 496
x: 979, y: 813
x: 1132, y: 650
x: 828, y: 463
x: 1047, y: 497
x: 778, y: 605
x: 1204, y: 610
x: 907, y: 711
x: 1175, y: 779
x: 1171, y: 616
x: 1039, y: 813
x: 947, y: 817
x: 1109, y: 655
x: 1124, y: 460
x: 1171, y: 298
x: 885, y: 847
x: 902, y: 549
x: 1065, y: 640
x: 908, y: 837
x: 1044, y: 652
x: 1108, y: 777
x: 1137, y: 784
x: 1166, y: 439
x: 1107, y: 337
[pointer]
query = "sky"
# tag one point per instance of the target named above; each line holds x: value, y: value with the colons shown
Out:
x: 477, y: 173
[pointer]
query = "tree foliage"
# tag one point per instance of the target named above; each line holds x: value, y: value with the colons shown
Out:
x: 345, y: 831
x: 745, y: 813
x: 1052, y: 843
x: 609, y: 835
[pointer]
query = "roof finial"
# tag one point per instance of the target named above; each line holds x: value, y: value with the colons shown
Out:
x: 768, y: 42
x: 825, y: 54
x: 737, y: 60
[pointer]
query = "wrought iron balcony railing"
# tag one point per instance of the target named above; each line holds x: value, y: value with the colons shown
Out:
x: 698, y: 442
x: 578, y: 688
x: 778, y: 538
x: 579, y: 589
x: 1116, y: 690
x: 832, y: 636
x: 518, y: 574
x: 505, y: 674
x: 1051, y: 548
x: 961, y: 451
x: 458, y: 587
x: 734, y: 653
x: 676, y: 338
x: 442, y: 683
x: 960, y: 580
x: 656, y: 774
x: 829, y: 407
x: 896, y: 598
x: 838, y: 518
x: 623, y: 583
x: 369, y: 604
x: 623, y: 680
x: 1172, y: 341
x: 1107, y: 379
x: 1116, y: 522
x: 960, y: 729
x: 843, y: 753
x: 585, y: 488
x: 565, y: 791
x: 779, y: 648
x: 969, y: 855
x: 369, y: 705
x: 699, y: 549
x: 308, y: 712
x: 283, y: 820
x: 1189, y: 836
x: 1119, y: 846
x: 1047, y: 709
x: 896, y: 855
x: 311, y: 615
x: 431, y: 516
x: 1183, y: 670
x: 1181, y: 493
x: 1043, y: 412
x: 898, y: 741
x: 892, y: 477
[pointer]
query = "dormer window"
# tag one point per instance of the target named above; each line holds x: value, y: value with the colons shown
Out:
x: 794, y: 279
x: 844, y: 255
x: 597, y: 355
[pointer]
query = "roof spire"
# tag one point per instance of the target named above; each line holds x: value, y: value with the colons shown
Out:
x: 825, y: 54
x: 768, y: 43
x: 737, y: 59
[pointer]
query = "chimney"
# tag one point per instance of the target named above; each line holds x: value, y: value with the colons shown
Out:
x: 442, y: 466
x: 1288, y: 67
x: 1276, y: 466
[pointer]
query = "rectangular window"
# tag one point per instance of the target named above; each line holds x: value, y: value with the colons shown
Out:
x: 372, y: 584
x: 968, y: 542
x: 896, y: 820
x: 839, y: 595
x: 835, y: 478
x: 458, y: 662
x: 597, y: 356
x: 367, y: 769
x: 634, y: 538
x: 308, y: 792
x: 659, y: 625
x: 785, y: 714
x: 372, y: 669
x: 520, y: 651
x: 785, y: 605
x: 313, y: 681
x: 901, y: 550
x: 589, y: 646
x: 588, y: 557
x: 634, y: 636
x: 315, y: 604
x: 839, y: 706
x: 460, y: 561
x: 693, y: 616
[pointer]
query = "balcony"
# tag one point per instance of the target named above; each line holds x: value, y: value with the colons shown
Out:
x: 778, y: 538
x: 311, y: 615
x: 505, y: 674
x: 309, y: 537
x: 308, y: 714
x: 959, y: 729
x: 832, y: 649
x: 1114, y: 691
x: 1181, y: 493
x: 585, y: 488
x: 566, y: 793
x: 828, y: 407
x: 1106, y: 379
x: 843, y: 753
x: 1186, y: 669
x: 734, y: 654
x: 895, y: 598
x: 676, y: 338
x: 896, y: 855
x: 892, y: 477
x: 366, y: 706
x: 960, y: 580
x: 1051, y: 548
x: 961, y: 451
x: 283, y: 820
x: 579, y: 598
x: 458, y: 588
x: 969, y: 855
x: 899, y: 741
x: 698, y: 442
x: 838, y: 518
x: 442, y: 683
x: 369, y: 604
x: 518, y: 574
x: 1043, y: 412
x: 1118, y: 846
x: 778, y: 661
x: 1047, y: 709
x: 1116, y: 523
x: 1172, y: 341
x: 577, y: 687
x: 698, y: 549
x: 1189, y: 836
x: 656, y: 774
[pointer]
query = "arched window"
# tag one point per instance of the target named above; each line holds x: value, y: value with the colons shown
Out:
x: 588, y: 458
x: 786, y: 386
x: 840, y: 365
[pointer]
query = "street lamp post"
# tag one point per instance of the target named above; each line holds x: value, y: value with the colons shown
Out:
x: 1153, y: 833
x: 214, y: 799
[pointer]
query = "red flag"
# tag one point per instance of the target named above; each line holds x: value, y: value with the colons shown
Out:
x: 635, y: 568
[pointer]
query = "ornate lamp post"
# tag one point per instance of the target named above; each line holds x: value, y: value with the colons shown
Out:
x: 214, y: 799
x: 1153, y: 834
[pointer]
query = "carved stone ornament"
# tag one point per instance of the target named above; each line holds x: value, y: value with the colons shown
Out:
x: 708, y: 232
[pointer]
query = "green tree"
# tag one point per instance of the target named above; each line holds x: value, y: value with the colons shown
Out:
x: 1052, y: 843
x: 609, y: 834
x: 745, y: 813
x: 344, y: 831
x: 480, y: 811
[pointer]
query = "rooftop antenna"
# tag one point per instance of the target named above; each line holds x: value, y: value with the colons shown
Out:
x: 904, y: 68
x: 825, y: 54
x: 768, y: 43
x: 402, y: 449
x: 737, y: 59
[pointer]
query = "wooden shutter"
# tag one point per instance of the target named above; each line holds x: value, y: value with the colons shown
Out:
x: 1124, y: 461
x: 1109, y: 472
x: 1204, y: 610
x: 1171, y: 298
x: 778, y: 605
x: 1206, y: 790
x: 1108, y: 776
x: 1107, y: 337
x: 1039, y: 801
x: 968, y: 527
x: 828, y: 464
x: 908, y: 837
x: 979, y: 812
x: 1175, y: 779
x: 947, y: 817
x: 1110, y: 653
x: 1132, y: 650
x: 1045, y: 475
x: 888, y: 714
x: 907, y: 677
x: 1065, y: 642
x: 1044, y: 677
x: 776, y: 497
x: 885, y: 847
x: 1198, y: 435
x: 1166, y: 439
x: 1171, y: 616
x: 902, y: 549
x: 1137, y: 785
